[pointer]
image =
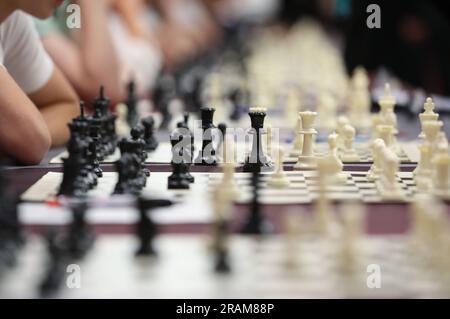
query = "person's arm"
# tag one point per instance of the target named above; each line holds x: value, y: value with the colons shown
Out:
x: 58, y: 105
x: 93, y: 61
x: 23, y: 132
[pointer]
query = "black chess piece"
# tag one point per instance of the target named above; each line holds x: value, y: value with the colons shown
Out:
x: 151, y: 143
x: 255, y: 223
x: 94, y: 152
x: 56, y: 265
x: 137, y: 133
x: 80, y: 238
x: 146, y: 231
x: 223, y: 132
x: 207, y: 155
x: 131, y: 103
x: 257, y: 159
x: 127, y: 168
x: 79, y: 142
x: 146, y: 228
x: 108, y: 136
x: 75, y: 182
x: 179, y: 179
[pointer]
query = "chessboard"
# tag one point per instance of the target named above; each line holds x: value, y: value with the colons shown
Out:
x: 407, y: 152
x: 303, y: 188
x: 270, y: 268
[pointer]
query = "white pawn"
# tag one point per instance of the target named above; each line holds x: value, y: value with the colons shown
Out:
x: 324, y: 221
x: 427, y: 115
x: 122, y: 127
x: 348, y: 152
x: 423, y: 169
x: 342, y: 121
x: 359, y: 100
x: 298, y: 141
x: 336, y: 165
x: 377, y: 148
x: 228, y: 183
x: 279, y: 178
x: 387, y: 185
x: 353, y: 219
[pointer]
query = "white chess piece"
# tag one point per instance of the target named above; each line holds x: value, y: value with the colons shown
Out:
x: 279, y: 178
x: 353, y: 219
x: 228, y: 183
x: 431, y: 129
x: 349, y: 153
x: 122, y: 127
x: 324, y: 221
x: 377, y: 147
x: 298, y: 141
x: 342, y: 121
x: 441, y: 176
x: 427, y: 115
x: 387, y: 185
x: 386, y: 133
x: 336, y: 165
x: 307, y: 159
x: 387, y: 104
x: 359, y: 100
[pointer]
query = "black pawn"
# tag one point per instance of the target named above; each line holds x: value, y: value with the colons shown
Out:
x: 146, y: 231
x: 207, y: 155
x: 149, y: 134
x: 179, y: 178
x: 131, y: 103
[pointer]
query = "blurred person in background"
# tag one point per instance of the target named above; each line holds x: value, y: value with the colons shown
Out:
x: 108, y: 49
x: 86, y: 56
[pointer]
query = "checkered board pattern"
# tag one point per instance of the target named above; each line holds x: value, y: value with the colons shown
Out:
x: 303, y: 188
x: 270, y: 268
x: 407, y: 153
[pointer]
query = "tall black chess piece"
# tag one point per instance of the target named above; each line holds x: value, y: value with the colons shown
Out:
x: 255, y: 223
x: 207, y: 155
x: 138, y: 142
x: 151, y: 142
x: 256, y: 159
x: 131, y: 103
x: 108, y: 136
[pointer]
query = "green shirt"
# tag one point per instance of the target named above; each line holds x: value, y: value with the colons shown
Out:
x: 57, y: 23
